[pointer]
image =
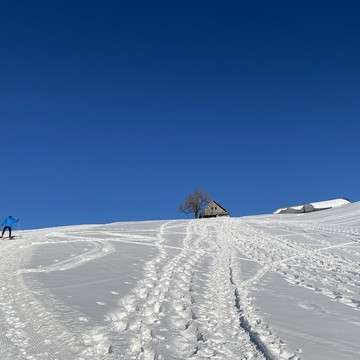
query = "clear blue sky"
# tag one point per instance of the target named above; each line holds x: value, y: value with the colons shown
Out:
x: 117, y: 110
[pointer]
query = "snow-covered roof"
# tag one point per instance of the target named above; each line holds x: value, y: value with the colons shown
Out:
x: 297, y: 207
x: 279, y: 210
x: 330, y: 203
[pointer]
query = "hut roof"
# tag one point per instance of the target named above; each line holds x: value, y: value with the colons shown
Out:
x: 217, y: 204
x: 330, y: 203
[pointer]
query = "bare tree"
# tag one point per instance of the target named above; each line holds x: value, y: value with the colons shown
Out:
x: 195, y: 202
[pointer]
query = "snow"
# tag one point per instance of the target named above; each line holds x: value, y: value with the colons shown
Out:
x: 258, y: 287
x: 330, y: 203
x: 320, y: 205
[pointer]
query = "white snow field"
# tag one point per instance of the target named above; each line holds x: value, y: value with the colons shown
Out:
x: 260, y: 287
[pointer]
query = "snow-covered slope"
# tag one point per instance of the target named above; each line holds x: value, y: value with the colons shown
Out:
x: 262, y: 287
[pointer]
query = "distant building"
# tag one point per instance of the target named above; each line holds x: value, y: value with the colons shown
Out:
x: 316, y: 206
x: 214, y: 210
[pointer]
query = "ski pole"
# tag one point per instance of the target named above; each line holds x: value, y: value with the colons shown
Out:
x: 19, y: 228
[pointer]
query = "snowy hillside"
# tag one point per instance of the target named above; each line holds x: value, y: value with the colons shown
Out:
x: 264, y: 287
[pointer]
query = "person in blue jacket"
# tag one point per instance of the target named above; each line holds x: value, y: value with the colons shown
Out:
x: 8, y: 222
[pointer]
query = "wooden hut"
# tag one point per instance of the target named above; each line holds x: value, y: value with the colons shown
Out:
x: 214, y: 210
x: 299, y: 209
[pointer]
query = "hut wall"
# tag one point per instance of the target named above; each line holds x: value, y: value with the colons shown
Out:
x: 307, y: 208
x: 213, y: 210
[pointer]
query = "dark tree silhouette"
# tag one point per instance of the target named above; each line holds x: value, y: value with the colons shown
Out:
x: 195, y: 202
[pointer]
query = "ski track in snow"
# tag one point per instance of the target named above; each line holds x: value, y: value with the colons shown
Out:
x: 193, y: 299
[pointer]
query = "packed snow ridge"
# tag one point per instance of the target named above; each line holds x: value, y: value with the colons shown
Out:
x: 261, y: 287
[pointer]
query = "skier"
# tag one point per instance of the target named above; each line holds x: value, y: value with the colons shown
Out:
x: 8, y: 222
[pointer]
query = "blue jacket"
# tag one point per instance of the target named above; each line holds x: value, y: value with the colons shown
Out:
x: 9, y: 221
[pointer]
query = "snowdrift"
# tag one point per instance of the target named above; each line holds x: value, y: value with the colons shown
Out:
x: 262, y: 287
